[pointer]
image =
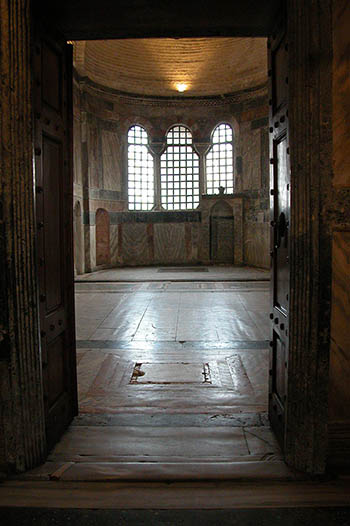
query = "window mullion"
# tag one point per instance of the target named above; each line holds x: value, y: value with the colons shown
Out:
x: 156, y: 158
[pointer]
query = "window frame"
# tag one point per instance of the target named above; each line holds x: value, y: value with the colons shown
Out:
x: 188, y: 181
x: 220, y: 175
x: 152, y: 178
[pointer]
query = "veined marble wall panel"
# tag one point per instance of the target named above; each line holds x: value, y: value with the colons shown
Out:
x: 257, y: 238
x: 77, y: 152
x: 195, y: 242
x: 135, y: 250
x: 94, y: 154
x: 113, y: 241
x: 341, y: 90
x: 103, y: 253
x: 89, y: 248
x: 251, y: 155
x: 78, y: 239
x: 111, y: 159
x: 237, y: 206
x: 339, y: 392
x: 93, y: 245
x: 204, y: 240
x: 169, y: 243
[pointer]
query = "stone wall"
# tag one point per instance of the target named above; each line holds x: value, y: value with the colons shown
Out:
x: 102, y: 118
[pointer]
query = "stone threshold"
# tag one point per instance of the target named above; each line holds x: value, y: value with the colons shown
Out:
x: 163, y: 470
x: 189, y: 495
x: 172, y: 280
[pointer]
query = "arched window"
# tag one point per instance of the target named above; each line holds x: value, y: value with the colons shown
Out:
x: 219, y: 160
x: 140, y: 170
x: 179, y: 171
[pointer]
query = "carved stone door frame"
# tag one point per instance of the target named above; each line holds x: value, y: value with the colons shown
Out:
x: 22, y: 434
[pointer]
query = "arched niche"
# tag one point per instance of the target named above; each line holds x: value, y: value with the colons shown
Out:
x: 78, y: 239
x: 103, y: 253
x: 221, y: 233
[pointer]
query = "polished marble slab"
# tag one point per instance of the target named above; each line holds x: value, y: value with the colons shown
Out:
x: 79, y: 443
x: 173, y: 315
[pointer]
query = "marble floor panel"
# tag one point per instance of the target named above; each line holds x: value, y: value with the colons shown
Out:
x: 112, y: 381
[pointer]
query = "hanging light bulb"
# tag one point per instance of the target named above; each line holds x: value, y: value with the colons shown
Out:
x: 181, y: 87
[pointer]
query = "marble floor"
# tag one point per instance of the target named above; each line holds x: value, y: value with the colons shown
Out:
x: 173, y: 380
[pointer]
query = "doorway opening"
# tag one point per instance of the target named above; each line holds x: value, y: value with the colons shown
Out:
x: 172, y: 358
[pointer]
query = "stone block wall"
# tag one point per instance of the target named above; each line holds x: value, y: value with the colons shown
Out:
x: 102, y: 118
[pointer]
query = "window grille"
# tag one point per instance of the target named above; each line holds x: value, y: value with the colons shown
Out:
x: 219, y: 160
x: 140, y: 170
x: 179, y: 171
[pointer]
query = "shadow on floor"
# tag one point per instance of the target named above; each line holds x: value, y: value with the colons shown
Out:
x: 256, y: 517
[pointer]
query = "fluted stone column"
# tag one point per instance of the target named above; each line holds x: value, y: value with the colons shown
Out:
x: 22, y: 434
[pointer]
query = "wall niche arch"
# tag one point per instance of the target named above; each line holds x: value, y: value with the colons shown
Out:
x: 221, y: 233
x: 103, y: 252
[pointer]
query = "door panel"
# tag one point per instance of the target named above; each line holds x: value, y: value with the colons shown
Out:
x: 54, y: 184
x: 52, y: 222
x: 280, y: 219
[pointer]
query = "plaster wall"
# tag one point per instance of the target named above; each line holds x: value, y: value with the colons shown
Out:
x: 102, y: 118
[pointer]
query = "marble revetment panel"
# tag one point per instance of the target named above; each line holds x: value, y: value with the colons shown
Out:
x: 77, y: 151
x: 111, y: 160
x: 114, y: 243
x: 94, y: 165
x: 169, y: 243
x: 257, y: 238
x: 251, y: 146
x: 135, y: 246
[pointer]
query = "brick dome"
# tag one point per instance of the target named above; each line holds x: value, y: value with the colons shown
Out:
x: 207, y: 66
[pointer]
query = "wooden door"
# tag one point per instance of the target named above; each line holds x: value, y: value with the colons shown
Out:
x: 52, y: 85
x: 280, y: 218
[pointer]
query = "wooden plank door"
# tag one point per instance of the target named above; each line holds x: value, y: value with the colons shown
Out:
x: 52, y: 88
x: 280, y: 219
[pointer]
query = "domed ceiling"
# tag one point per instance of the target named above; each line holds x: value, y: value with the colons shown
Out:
x: 156, y: 67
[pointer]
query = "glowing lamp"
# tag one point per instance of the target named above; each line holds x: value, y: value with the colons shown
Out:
x: 181, y: 87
